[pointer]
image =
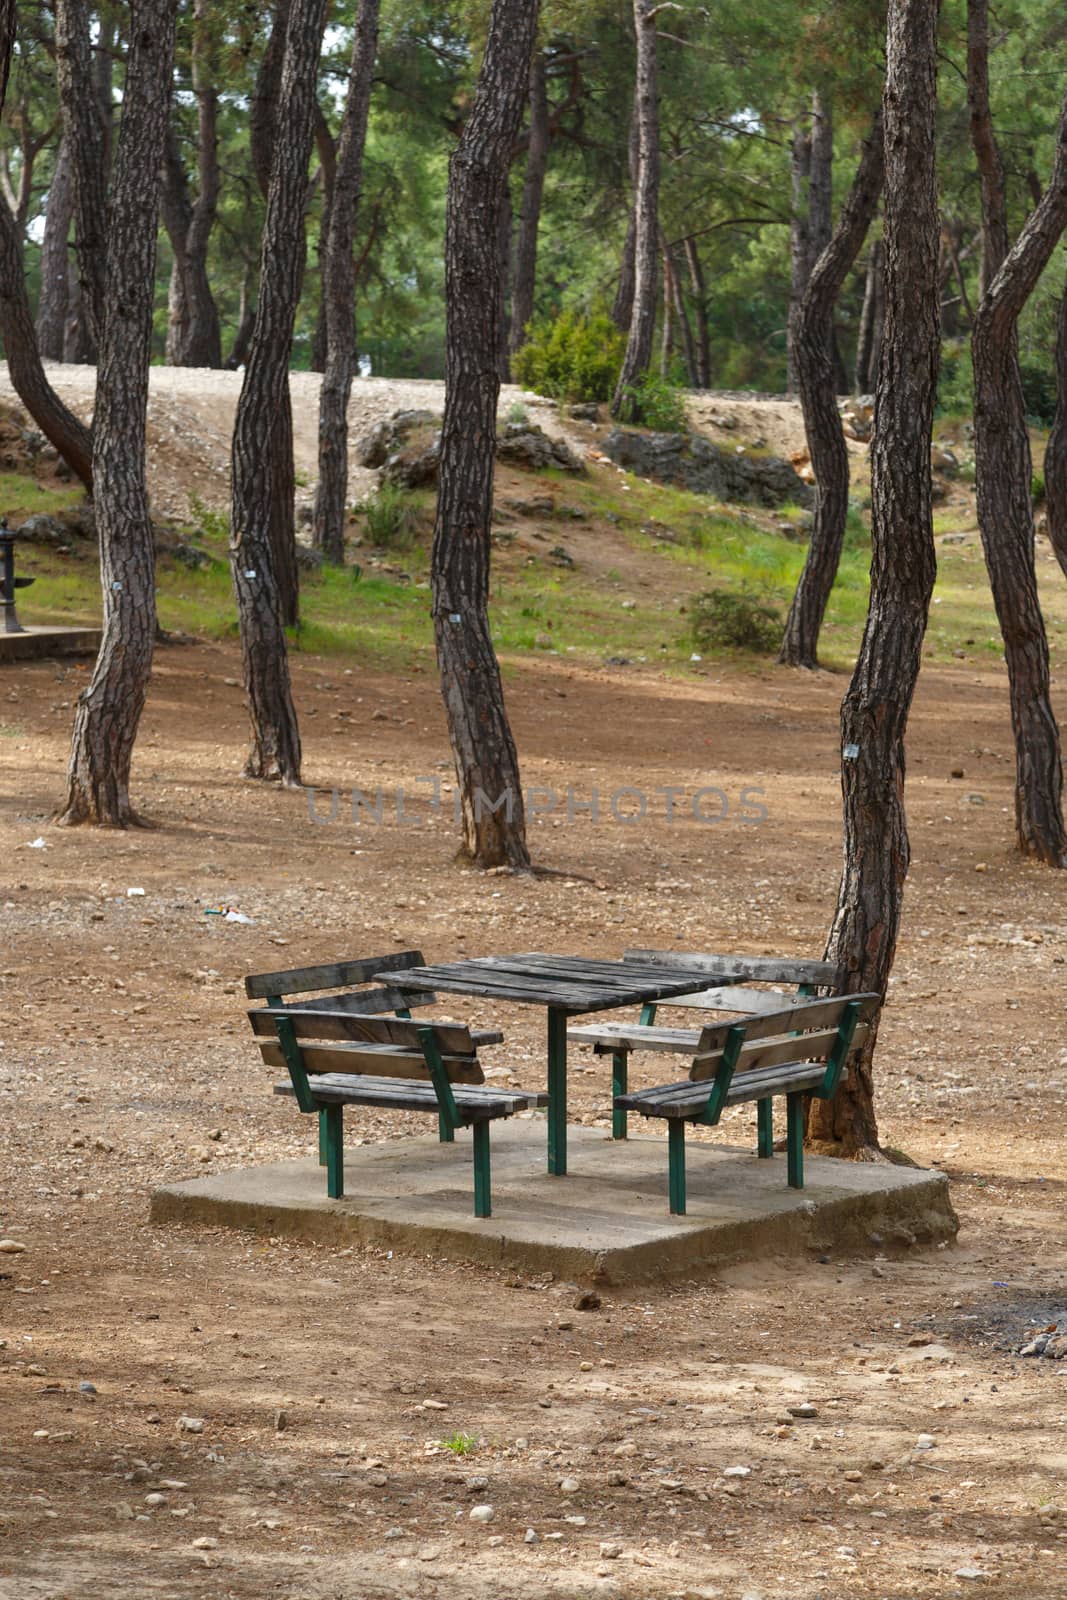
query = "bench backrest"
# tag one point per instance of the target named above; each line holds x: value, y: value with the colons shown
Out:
x: 386, y: 1047
x: 809, y: 1030
x: 735, y: 971
x: 275, y: 986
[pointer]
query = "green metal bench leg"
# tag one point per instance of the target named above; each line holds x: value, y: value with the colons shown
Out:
x: 764, y: 1128
x: 482, y: 1200
x: 446, y: 1133
x: 332, y: 1117
x: 619, y: 1064
x: 676, y: 1166
x: 557, y: 1092
x: 323, y: 1139
x: 794, y: 1138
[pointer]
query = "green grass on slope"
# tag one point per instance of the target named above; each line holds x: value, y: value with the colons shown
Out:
x: 380, y: 615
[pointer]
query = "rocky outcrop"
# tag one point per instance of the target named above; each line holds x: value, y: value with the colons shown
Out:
x: 693, y: 462
x: 406, y: 449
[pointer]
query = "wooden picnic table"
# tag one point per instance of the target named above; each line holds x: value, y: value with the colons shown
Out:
x: 567, y: 986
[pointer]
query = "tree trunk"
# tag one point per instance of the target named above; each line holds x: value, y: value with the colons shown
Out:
x: 55, y: 262
x: 275, y: 748
x: 667, y: 327
x: 525, y: 276
x: 246, y: 322
x: 326, y: 148
x: 689, y: 348
x: 812, y: 343
x: 70, y: 437
x: 874, y: 715
x: 622, y: 309
x: 799, y: 248
x: 700, y: 304
x: 1056, y: 451
x: 985, y: 146
x: 109, y: 709
x: 193, y: 335
x: 503, y: 238
x: 821, y: 179
x: 263, y: 122
x: 487, y: 767
x: 84, y: 132
x: 635, y: 361
x: 19, y: 336
x: 1003, y: 475
x: 339, y: 292
x: 871, y: 317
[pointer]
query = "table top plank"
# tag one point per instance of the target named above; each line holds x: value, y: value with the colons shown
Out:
x: 572, y: 984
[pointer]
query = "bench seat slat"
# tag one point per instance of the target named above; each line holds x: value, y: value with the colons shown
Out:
x: 335, y: 975
x: 689, y: 1099
x: 340, y: 1088
x: 454, y: 1038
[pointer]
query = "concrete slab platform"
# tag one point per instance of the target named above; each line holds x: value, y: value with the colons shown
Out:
x: 606, y: 1221
x: 35, y: 644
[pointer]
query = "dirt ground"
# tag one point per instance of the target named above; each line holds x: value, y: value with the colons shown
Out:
x: 354, y: 1408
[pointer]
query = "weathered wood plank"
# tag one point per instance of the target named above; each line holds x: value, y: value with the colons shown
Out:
x: 748, y: 1002
x: 506, y: 986
x: 766, y: 1053
x: 452, y: 1037
x: 366, y: 1002
x: 689, y: 1099
x: 333, y: 975
x: 380, y: 1060
x: 762, y: 969
x: 632, y: 1036
x: 389, y: 1093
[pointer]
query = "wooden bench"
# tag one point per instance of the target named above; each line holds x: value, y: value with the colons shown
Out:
x: 733, y: 993
x: 343, y: 976
x: 338, y: 1058
x: 801, y: 1049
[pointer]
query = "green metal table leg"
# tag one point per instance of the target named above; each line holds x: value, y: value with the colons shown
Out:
x: 676, y: 1165
x: 620, y: 1061
x: 333, y: 1117
x: 482, y: 1201
x: 323, y: 1139
x: 765, y: 1128
x: 794, y: 1138
x: 557, y: 1092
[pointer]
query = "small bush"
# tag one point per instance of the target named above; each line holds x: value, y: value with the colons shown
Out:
x: 460, y: 1444
x: 735, y: 619
x: 571, y: 357
x: 391, y: 519
x: 517, y: 412
x: 1037, y: 488
x: 655, y: 403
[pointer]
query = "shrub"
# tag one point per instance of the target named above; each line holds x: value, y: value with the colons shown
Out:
x: 1037, y: 487
x: 735, y: 619
x: 391, y: 519
x: 655, y: 403
x: 571, y: 357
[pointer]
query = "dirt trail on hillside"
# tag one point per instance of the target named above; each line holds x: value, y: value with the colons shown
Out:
x: 191, y: 412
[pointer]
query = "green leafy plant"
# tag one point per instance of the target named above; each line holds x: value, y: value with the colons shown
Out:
x: 655, y: 403
x: 735, y: 619
x: 571, y: 357
x: 517, y: 412
x: 460, y: 1444
x: 211, y: 524
x: 391, y: 518
x: 1037, y: 487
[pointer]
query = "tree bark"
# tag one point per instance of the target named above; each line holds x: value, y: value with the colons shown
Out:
x: 799, y: 247
x: 70, y: 437
x: 700, y: 303
x: 503, y: 244
x: 681, y: 314
x: 638, y: 354
x: 1056, y: 450
x: 1003, y: 478
x: 812, y: 343
x: 19, y: 336
x: 623, y: 305
x: 275, y: 747
x: 985, y: 146
x: 874, y: 714
x: 109, y: 709
x: 525, y: 276
x: 487, y: 767
x: 326, y: 147
x: 339, y: 289
x: 872, y: 317
x: 263, y: 122
x: 86, y: 133
x: 55, y: 261
x: 194, y: 338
